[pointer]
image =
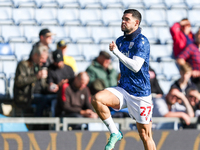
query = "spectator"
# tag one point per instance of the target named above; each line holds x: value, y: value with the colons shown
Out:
x: 184, y: 82
x: 30, y: 81
x: 155, y: 87
x: 191, y: 54
x: 101, y: 72
x: 182, y: 36
x: 68, y: 60
x: 194, y: 96
x: 45, y: 36
x: 169, y: 107
x: 74, y: 100
x: 59, y: 73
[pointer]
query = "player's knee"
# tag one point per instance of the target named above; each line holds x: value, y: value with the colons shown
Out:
x: 96, y: 99
x: 144, y: 136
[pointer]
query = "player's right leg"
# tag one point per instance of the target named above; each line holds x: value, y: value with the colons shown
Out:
x: 146, y: 135
x: 100, y: 102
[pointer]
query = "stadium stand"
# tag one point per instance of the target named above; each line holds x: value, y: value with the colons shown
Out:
x: 88, y: 26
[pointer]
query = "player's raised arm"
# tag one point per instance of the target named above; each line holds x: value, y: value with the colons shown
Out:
x: 133, y: 64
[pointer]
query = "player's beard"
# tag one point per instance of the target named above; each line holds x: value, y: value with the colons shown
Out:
x: 126, y: 30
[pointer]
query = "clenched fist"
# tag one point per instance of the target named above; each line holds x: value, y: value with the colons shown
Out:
x: 112, y: 46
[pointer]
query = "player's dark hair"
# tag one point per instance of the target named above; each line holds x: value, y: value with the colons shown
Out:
x: 135, y: 13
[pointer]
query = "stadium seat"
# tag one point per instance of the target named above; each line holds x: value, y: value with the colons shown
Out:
x: 69, y: 4
x: 22, y: 50
x: 102, y: 34
x: 159, y: 51
x: 165, y: 85
x: 176, y: 15
x: 82, y: 65
x: 80, y: 34
x: 74, y: 50
x: 24, y: 3
x: 111, y: 4
x: 176, y: 4
x: 159, y: 17
x: 62, y: 33
x: 11, y: 81
x: 117, y: 32
x: 9, y: 67
x: 152, y: 34
x: 13, y: 34
x: 91, y: 17
x: 164, y: 35
x: 112, y: 17
x: 32, y: 33
x: 157, y: 67
x: 6, y: 53
x: 90, y: 51
x: 46, y: 3
x: 170, y: 69
x: 1, y: 66
x: 69, y: 17
x: 1, y: 37
x: 193, y: 4
x: 193, y: 16
x: 6, y: 16
x: 3, y: 83
x: 115, y: 64
x: 8, y: 59
x: 24, y: 16
x: 6, y: 3
x: 133, y: 4
x: 154, y: 4
x: 90, y: 4
x: 46, y: 16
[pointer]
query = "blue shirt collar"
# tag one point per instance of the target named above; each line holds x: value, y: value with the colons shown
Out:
x: 130, y: 37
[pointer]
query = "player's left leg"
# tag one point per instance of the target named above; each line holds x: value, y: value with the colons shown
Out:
x: 146, y: 135
x: 101, y: 101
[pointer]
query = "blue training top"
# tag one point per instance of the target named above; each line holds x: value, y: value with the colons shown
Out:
x: 135, y: 44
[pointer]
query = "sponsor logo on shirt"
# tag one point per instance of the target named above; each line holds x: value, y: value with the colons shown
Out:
x: 126, y: 53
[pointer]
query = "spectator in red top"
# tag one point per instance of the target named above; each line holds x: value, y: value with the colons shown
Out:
x: 182, y: 36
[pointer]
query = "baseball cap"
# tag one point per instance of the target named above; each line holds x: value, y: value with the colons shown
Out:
x: 57, y: 56
x: 46, y: 32
x: 105, y: 54
x: 61, y: 43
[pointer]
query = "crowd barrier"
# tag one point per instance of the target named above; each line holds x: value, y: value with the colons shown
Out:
x: 62, y: 123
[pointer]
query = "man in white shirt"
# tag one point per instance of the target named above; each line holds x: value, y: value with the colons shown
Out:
x: 169, y: 107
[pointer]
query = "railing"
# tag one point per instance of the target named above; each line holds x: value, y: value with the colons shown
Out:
x: 124, y: 122
x: 33, y: 120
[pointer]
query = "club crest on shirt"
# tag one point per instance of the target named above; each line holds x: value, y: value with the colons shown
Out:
x: 131, y: 45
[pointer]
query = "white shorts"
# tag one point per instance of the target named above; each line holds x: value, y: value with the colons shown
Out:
x: 140, y: 108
